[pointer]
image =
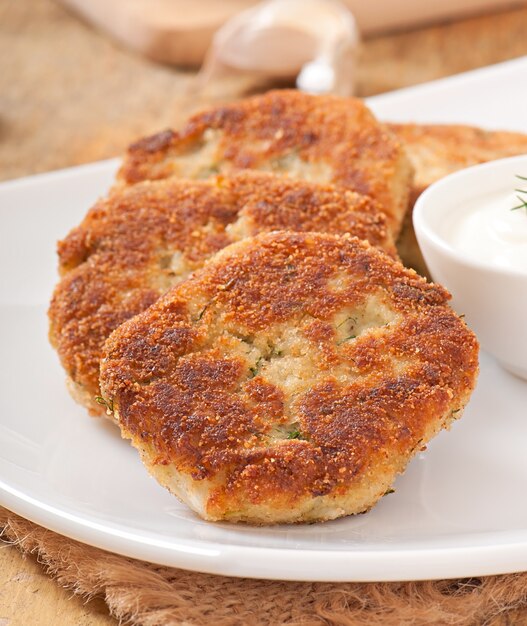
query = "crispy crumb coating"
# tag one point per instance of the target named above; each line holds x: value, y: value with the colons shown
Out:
x: 140, y: 241
x: 317, y: 138
x: 438, y: 150
x: 290, y: 379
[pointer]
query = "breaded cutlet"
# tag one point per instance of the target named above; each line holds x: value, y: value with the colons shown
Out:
x: 438, y: 150
x: 143, y: 239
x: 324, y: 139
x: 290, y: 379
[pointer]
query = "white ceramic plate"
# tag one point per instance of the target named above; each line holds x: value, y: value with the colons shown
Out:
x: 459, y: 510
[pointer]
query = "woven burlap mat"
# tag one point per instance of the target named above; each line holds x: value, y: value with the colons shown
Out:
x: 152, y: 595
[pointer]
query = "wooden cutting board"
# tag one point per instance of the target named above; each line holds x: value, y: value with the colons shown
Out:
x: 180, y: 31
x: 170, y: 31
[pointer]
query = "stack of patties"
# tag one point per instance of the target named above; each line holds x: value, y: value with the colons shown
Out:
x: 255, y: 336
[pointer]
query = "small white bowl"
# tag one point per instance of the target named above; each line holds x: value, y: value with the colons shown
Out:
x: 493, y: 299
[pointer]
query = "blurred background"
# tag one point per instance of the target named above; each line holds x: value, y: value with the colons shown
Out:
x: 80, y: 79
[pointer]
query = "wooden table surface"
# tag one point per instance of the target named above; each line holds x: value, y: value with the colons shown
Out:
x: 69, y: 95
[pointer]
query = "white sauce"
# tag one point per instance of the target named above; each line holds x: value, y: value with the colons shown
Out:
x: 485, y: 229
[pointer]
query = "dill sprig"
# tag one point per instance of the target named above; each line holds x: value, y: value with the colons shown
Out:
x: 522, y: 200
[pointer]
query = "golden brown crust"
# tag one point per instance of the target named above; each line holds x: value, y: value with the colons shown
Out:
x: 437, y: 150
x: 196, y: 379
x: 141, y: 240
x: 318, y: 138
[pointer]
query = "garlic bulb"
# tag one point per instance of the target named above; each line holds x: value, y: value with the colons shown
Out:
x: 315, y: 41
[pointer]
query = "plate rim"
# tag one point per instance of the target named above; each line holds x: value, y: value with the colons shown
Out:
x: 245, y: 561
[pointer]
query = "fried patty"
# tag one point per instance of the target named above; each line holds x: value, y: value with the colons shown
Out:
x: 322, y: 139
x: 438, y: 150
x: 289, y: 380
x: 142, y: 240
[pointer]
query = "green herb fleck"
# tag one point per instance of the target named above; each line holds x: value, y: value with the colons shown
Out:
x: 353, y: 319
x: 294, y: 434
x: 346, y: 339
x: 109, y: 405
x: 389, y: 491
x: 417, y: 445
x: 202, y: 312
x: 256, y: 368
